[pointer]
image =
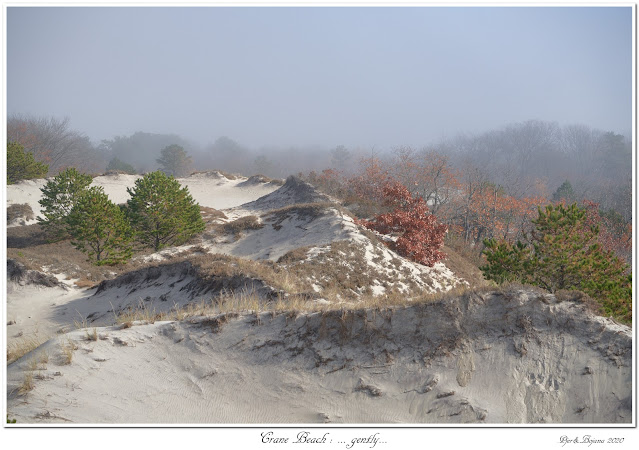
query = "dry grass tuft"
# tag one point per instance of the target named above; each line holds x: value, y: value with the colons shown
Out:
x: 211, y: 215
x: 295, y: 255
x: 39, y: 361
x: 140, y: 313
x: 23, y: 345
x: 92, y: 335
x: 27, y: 383
x: 84, y: 283
x: 67, y: 351
x: 303, y: 211
x: 242, y: 224
x: 463, y: 267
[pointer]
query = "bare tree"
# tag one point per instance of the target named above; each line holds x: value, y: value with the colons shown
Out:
x: 52, y: 141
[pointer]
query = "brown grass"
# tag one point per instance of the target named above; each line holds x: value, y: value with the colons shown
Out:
x: 25, y: 236
x: 245, y: 223
x: 28, y: 245
x: 67, y: 351
x: 591, y: 304
x: 463, y: 268
x: 227, y: 175
x: 472, y: 254
x: 342, y: 270
x: 295, y: 255
x: 294, y: 305
x: 84, y: 282
x: 211, y: 215
x: 23, y: 345
x: 303, y: 211
x: 92, y: 335
x: 27, y: 383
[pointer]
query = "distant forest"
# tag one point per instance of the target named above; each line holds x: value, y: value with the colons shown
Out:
x: 529, y: 159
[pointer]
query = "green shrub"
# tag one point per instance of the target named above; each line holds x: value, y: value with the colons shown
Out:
x: 58, y: 198
x: 162, y: 212
x: 22, y: 165
x: 118, y: 165
x: 100, y: 229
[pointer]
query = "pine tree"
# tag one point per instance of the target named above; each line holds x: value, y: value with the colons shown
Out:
x: 99, y: 228
x: 58, y: 198
x: 162, y: 212
x: 505, y: 262
x: 22, y: 165
x: 120, y: 166
x: 564, y: 192
x: 174, y: 161
x: 564, y: 254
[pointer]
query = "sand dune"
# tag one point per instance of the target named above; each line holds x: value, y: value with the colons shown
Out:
x: 480, y: 357
x: 516, y: 357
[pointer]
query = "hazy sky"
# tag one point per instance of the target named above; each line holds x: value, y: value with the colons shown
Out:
x: 359, y: 76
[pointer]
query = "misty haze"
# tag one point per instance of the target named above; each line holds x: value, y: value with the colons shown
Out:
x: 319, y: 215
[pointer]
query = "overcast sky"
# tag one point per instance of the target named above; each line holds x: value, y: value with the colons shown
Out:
x: 359, y: 76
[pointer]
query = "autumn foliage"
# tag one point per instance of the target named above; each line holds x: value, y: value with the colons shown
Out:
x: 405, y: 194
x: 615, y: 234
x: 418, y: 234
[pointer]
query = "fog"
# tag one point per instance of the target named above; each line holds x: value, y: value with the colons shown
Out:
x: 291, y: 79
x: 525, y: 98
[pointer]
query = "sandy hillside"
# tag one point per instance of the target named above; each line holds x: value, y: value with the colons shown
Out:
x: 303, y: 244
x: 513, y: 357
x: 174, y: 337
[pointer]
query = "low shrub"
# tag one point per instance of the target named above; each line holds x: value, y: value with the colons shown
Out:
x: 242, y: 224
x: 19, y: 211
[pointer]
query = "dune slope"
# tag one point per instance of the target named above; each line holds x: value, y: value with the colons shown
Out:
x: 511, y: 357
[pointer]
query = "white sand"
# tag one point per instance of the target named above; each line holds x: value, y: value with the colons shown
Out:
x: 406, y: 366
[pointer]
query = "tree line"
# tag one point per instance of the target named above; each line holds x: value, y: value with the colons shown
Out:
x: 526, y: 159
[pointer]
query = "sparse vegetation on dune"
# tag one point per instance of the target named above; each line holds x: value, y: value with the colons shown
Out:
x: 232, y: 305
x: 211, y: 215
x: 251, y: 303
x: 215, y: 174
x: 67, y: 348
x: 19, y: 211
x: 19, y: 347
x: 28, y: 246
x: 241, y: 224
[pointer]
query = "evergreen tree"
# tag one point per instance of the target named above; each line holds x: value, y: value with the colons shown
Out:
x: 99, y: 228
x: 505, y: 261
x: 174, y: 161
x: 564, y: 192
x: 120, y: 166
x: 22, y: 165
x: 58, y: 198
x: 162, y: 212
x: 564, y: 254
x: 339, y: 157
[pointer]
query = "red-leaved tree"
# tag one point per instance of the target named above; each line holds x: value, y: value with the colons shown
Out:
x: 419, y: 235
